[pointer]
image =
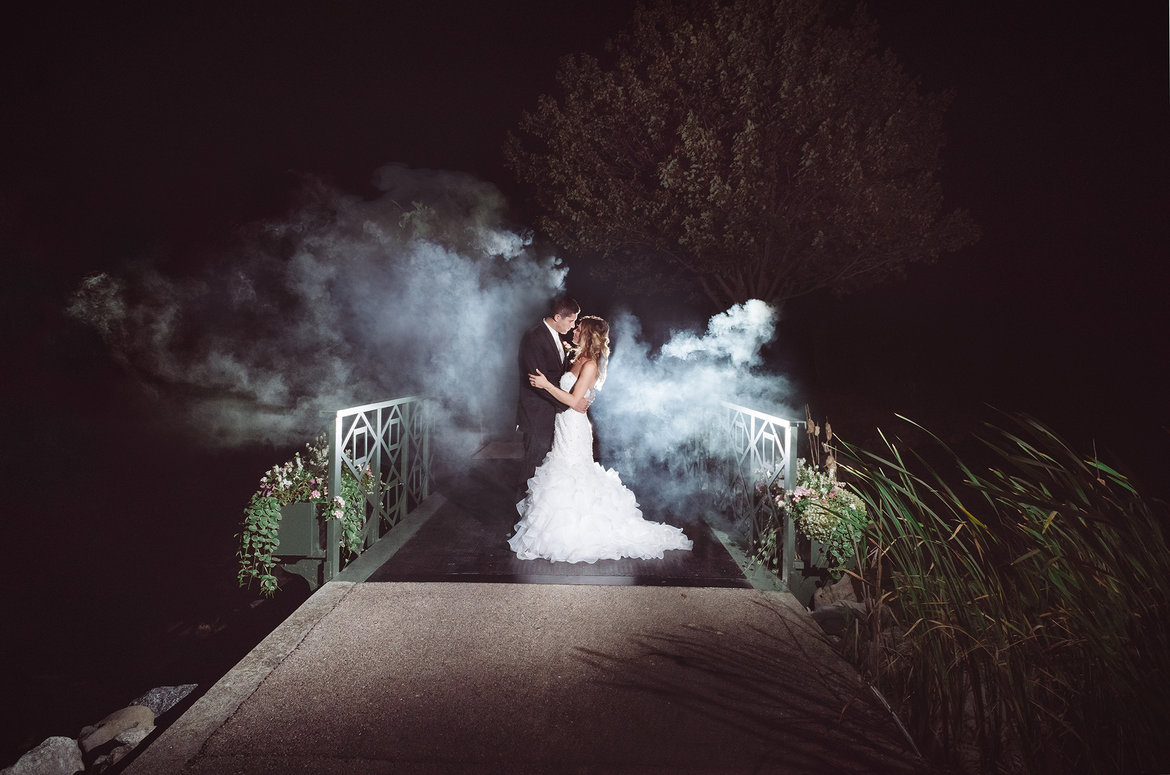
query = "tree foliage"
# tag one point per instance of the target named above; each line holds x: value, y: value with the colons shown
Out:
x: 753, y: 149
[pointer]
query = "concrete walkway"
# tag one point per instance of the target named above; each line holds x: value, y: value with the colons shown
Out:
x: 408, y: 677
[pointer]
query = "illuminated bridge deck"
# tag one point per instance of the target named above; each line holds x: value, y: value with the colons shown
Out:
x: 466, y: 540
x: 419, y: 660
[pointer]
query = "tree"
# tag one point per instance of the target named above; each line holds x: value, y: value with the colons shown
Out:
x: 751, y: 149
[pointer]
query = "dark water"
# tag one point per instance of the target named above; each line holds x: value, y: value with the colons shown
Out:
x: 120, y: 537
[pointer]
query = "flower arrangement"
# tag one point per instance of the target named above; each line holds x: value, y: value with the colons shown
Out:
x: 299, y: 480
x: 824, y: 510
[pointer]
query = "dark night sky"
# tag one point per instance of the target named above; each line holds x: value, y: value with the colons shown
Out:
x: 146, y: 131
x: 148, y: 126
x: 143, y: 133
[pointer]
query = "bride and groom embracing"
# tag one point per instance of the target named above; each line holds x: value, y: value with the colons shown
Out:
x: 572, y: 509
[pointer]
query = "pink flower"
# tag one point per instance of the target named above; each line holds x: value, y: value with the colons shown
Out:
x: 316, y: 494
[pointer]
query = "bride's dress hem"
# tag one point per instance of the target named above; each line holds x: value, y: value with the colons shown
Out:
x: 577, y: 511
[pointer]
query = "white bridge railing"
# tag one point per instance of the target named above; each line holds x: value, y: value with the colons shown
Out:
x: 750, y: 447
x: 392, y: 439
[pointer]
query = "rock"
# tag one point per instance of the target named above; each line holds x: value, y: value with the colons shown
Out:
x: 834, y: 619
x: 126, y: 742
x: 160, y: 699
x: 55, y: 756
x: 834, y: 593
x: 115, y: 724
x: 133, y: 737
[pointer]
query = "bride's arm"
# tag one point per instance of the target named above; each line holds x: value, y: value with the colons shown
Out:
x: 575, y: 400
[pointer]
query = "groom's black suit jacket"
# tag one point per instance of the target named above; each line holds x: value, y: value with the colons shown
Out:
x: 537, y: 409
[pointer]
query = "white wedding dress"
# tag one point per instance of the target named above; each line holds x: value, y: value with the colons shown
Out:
x: 577, y: 511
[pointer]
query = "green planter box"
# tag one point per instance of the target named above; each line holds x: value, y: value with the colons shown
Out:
x: 300, y: 531
x: 810, y: 553
x: 810, y: 569
x: 818, y: 555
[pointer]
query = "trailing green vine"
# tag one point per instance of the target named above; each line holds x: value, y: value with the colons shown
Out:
x: 258, y: 541
x: 300, y: 481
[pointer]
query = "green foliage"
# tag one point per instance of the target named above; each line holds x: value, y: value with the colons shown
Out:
x: 1033, y: 600
x: 826, y: 510
x: 258, y: 542
x: 822, y: 509
x: 747, y: 149
x: 766, y: 514
x: 353, y: 516
x: 301, y: 481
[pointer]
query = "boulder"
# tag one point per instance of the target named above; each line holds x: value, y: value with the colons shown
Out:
x: 121, y: 745
x: 832, y: 594
x: 160, y: 699
x: 834, y: 619
x: 55, y: 756
x: 133, y: 737
x: 135, y: 716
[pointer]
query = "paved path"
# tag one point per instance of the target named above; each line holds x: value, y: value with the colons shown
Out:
x: 409, y: 677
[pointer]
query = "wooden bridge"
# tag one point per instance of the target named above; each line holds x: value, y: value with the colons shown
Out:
x: 436, y: 651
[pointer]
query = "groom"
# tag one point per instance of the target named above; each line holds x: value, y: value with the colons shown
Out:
x: 541, y: 348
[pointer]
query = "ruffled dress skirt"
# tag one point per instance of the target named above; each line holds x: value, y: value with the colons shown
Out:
x: 577, y: 511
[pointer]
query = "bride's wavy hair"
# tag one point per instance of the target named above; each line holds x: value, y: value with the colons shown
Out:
x: 594, y: 343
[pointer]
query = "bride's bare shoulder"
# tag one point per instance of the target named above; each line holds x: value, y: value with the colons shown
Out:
x: 585, y: 363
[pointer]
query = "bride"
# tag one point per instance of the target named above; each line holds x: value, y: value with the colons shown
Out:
x: 575, y: 510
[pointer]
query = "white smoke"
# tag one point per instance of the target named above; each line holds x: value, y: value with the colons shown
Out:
x: 423, y: 291
x: 657, y: 406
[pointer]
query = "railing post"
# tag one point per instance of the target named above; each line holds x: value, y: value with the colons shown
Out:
x: 788, y: 560
x: 332, y: 527
x: 380, y: 505
x: 404, y: 457
x: 425, y: 460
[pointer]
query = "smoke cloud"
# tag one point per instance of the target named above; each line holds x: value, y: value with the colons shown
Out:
x: 656, y: 405
x: 423, y: 291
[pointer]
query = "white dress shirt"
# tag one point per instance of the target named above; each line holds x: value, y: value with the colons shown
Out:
x: 556, y: 340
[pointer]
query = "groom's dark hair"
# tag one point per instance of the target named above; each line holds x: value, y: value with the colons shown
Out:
x: 564, y: 304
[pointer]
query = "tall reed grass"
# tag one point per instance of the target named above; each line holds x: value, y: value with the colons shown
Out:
x: 1028, y: 604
